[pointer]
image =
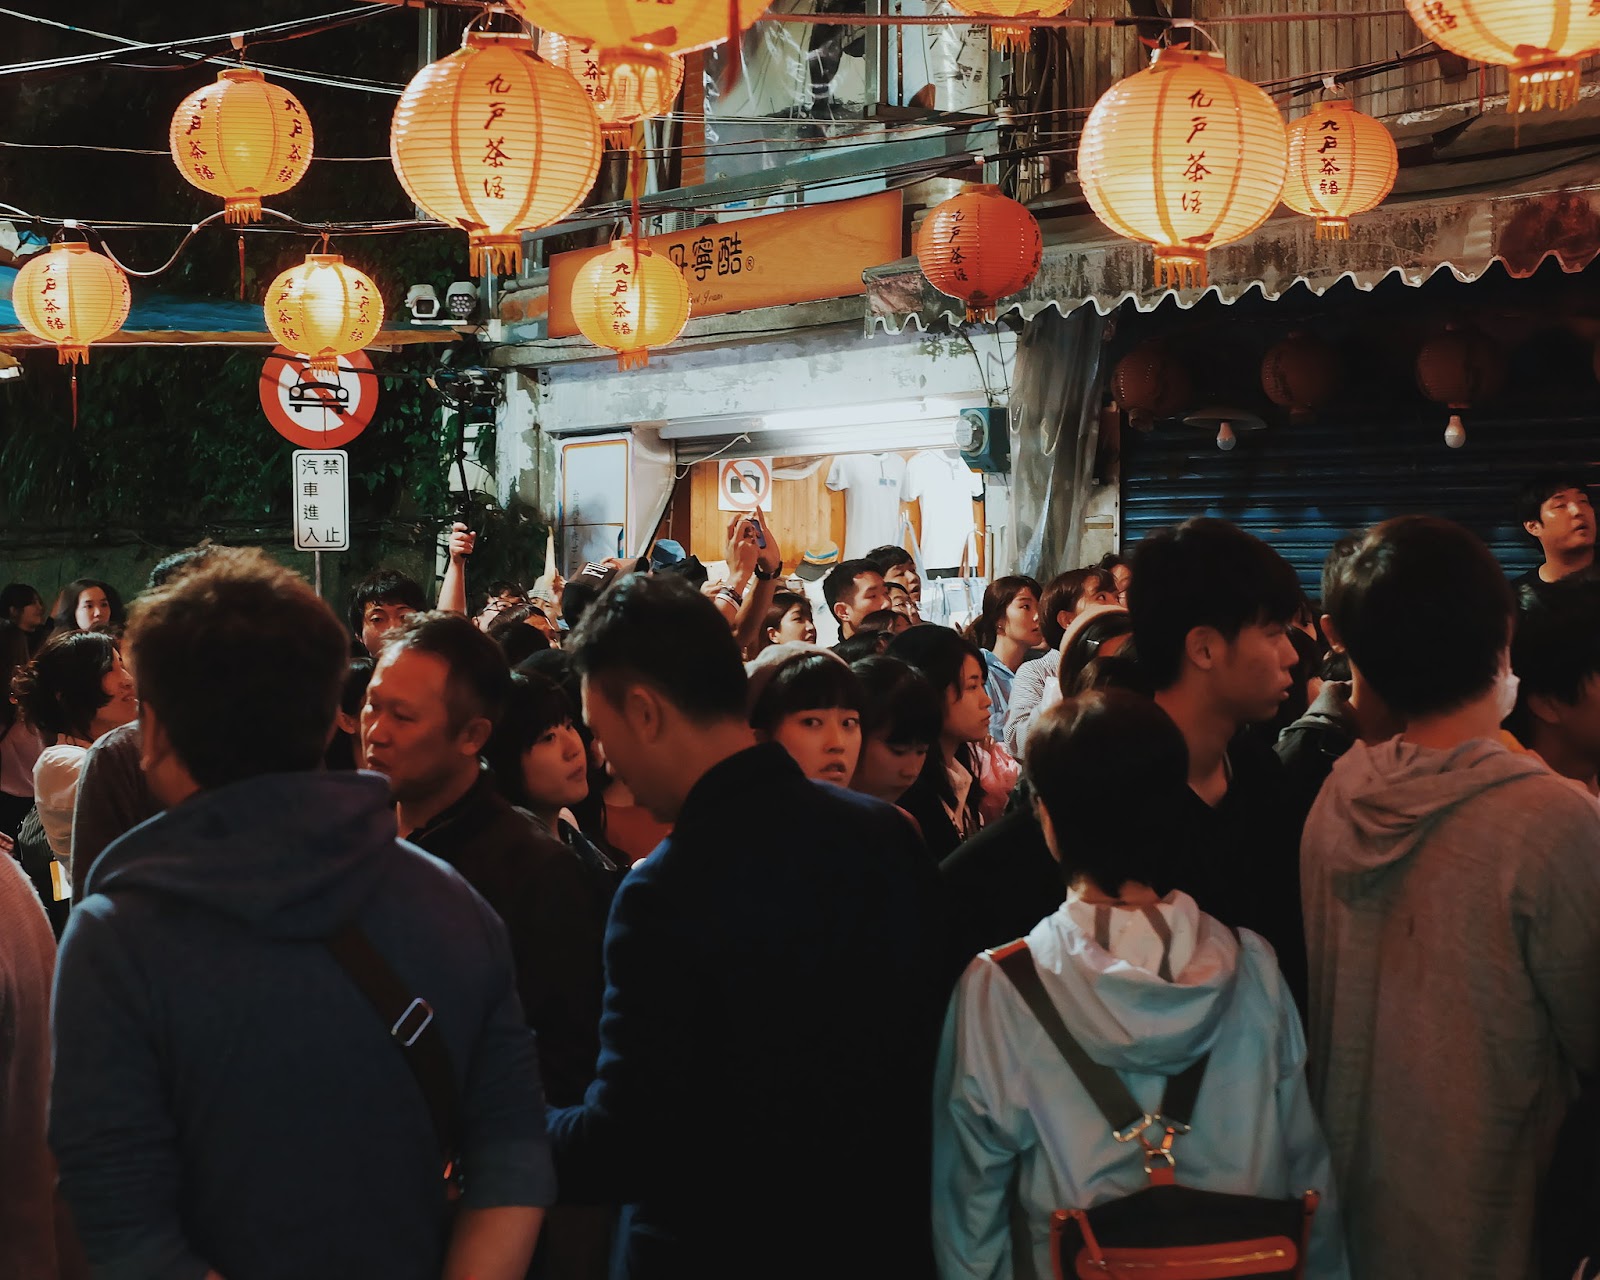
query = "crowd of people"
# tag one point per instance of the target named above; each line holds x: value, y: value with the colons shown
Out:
x: 617, y: 927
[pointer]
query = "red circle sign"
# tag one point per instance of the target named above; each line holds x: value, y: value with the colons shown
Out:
x: 317, y: 410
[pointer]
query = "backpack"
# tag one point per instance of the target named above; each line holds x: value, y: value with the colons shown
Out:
x: 1166, y: 1230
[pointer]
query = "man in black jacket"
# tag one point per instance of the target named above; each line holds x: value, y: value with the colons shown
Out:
x: 772, y: 976
x: 436, y: 694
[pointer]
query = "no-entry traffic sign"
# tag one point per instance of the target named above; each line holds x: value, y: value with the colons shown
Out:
x: 318, y: 410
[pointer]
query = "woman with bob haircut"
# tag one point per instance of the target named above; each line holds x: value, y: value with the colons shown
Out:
x: 946, y: 800
x: 87, y: 604
x: 74, y: 692
x: 900, y: 722
x: 1007, y: 630
x: 807, y: 700
x: 1148, y: 985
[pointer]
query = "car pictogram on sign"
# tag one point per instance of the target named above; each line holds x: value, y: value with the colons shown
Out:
x: 319, y: 395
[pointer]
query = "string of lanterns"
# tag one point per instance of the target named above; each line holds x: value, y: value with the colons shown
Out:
x: 504, y: 137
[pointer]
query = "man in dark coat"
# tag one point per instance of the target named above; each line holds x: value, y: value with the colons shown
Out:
x: 772, y: 979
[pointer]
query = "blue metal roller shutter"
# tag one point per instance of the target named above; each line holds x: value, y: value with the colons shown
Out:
x: 1301, y: 487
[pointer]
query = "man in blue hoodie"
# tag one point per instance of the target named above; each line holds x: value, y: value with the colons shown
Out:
x: 228, y: 1102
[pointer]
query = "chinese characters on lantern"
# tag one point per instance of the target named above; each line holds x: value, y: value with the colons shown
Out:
x: 1328, y: 158
x: 622, y: 309
x: 297, y: 129
x: 321, y: 500
x: 495, y: 156
x: 1195, y: 171
x: 724, y: 256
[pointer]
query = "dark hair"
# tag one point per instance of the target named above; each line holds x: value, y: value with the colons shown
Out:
x: 63, y: 688
x: 940, y: 654
x: 889, y: 557
x: 840, y: 584
x: 17, y: 595
x: 1336, y: 666
x: 479, y: 682
x: 864, y: 644
x: 1340, y: 552
x: 243, y: 664
x: 516, y: 638
x: 1062, y: 594
x: 65, y: 612
x: 504, y: 587
x: 1204, y: 573
x: 777, y: 611
x: 1425, y: 613
x: 1120, y: 670
x: 881, y: 620
x: 383, y: 587
x: 997, y: 598
x: 1112, y: 771
x: 656, y: 629
x: 554, y: 665
x: 806, y: 682
x: 534, y: 706
x: 357, y: 676
x: 898, y: 703
x: 169, y: 567
x: 1113, y: 560
x: 1086, y: 643
x: 1556, y: 648
x: 578, y: 596
x: 901, y: 587
x: 1539, y: 489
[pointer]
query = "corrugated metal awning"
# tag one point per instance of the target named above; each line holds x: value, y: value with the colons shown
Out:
x: 1515, y: 212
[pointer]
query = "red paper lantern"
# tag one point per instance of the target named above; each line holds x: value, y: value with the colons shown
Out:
x: 1300, y: 374
x: 980, y: 246
x: 1460, y: 368
x: 1150, y: 382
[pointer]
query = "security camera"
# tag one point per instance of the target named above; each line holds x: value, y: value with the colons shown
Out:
x: 462, y: 299
x: 423, y: 301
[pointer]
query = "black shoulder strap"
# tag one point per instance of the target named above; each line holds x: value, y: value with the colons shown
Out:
x: 1104, y: 1087
x: 409, y: 1019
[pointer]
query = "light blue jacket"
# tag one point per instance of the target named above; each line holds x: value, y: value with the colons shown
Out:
x: 1016, y: 1137
x: 997, y: 681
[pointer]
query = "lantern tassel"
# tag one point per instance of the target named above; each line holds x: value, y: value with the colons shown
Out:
x: 1179, y: 270
x: 734, y: 71
x: 1333, y: 228
x: 74, y: 395
x: 1012, y: 39
x: 241, y: 267
x: 1548, y: 84
x: 635, y: 359
x: 241, y: 209
x: 501, y: 255
x: 323, y: 362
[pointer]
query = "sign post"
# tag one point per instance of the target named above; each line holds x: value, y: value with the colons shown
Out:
x: 320, y: 498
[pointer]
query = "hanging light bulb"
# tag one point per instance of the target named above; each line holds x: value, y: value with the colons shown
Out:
x: 1455, y: 435
x: 1226, y: 438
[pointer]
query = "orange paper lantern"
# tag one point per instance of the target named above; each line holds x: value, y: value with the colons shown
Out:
x: 496, y: 141
x: 324, y: 309
x: 1150, y: 382
x: 241, y: 138
x: 1341, y: 162
x: 1299, y: 374
x: 1024, y: 11
x: 630, y: 299
x: 1539, y: 42
x: 660, y: 26
x: 980, y: 246
x: 624, y: 91
x: 71, y: 296
x: 1184, y: 157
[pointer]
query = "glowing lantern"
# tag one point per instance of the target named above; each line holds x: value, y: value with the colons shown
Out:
x: 1341, y: 163
x: 630, y: 299
x: 324, y: 309
x: 624, y: 91
x: 1539, y: 42
x: 71, y: 296
x: 662, y: 26
x: 1184, y: 157
x: 1024, y: 11
x: 1458, y: 369
x: 979, y: 246
x: 241, y: 138
x: 496, y: 141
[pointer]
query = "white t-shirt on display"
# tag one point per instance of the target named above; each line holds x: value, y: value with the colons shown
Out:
x: 874, y: 485
x: 946, y: 487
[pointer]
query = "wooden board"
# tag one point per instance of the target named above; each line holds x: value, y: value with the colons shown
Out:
x: 802, y: 256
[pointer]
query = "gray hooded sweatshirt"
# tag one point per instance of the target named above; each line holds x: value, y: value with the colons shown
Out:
x: 1452, y: 907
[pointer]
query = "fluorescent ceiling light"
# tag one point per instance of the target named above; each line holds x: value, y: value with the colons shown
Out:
x: 854, y: 415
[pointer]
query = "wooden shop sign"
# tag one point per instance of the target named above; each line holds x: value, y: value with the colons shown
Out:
x: 802, y: 256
